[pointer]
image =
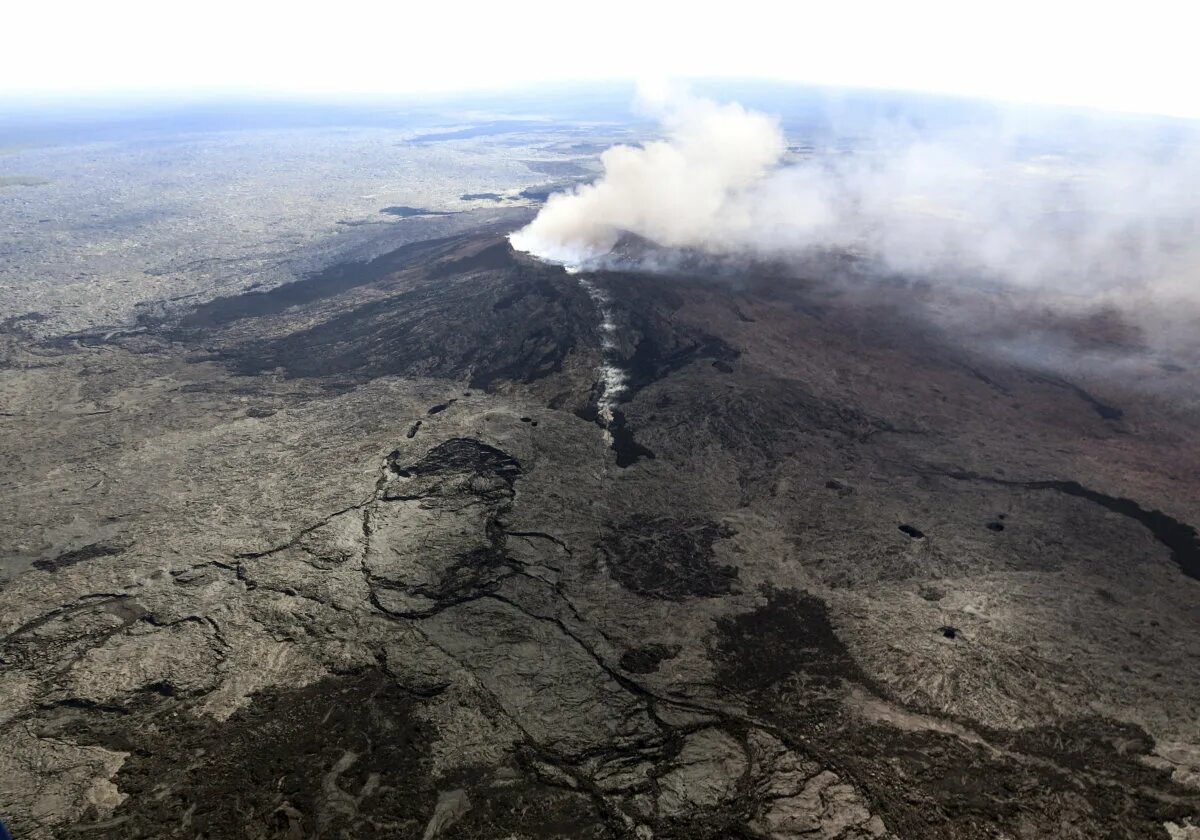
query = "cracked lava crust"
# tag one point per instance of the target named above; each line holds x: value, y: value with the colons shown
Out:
x: 361, y: 557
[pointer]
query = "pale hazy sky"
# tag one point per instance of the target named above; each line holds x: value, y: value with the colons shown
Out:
x: 1126, y: 55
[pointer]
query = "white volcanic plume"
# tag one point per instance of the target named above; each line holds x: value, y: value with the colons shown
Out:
x: 677, y: 192
x: 1067, y: 205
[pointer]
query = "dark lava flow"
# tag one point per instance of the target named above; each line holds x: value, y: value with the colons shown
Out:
x: 319, y: 285
x: 662, y: 349
x: 628, y: 450
x: 79, y: 555
x: 1179, y: 537
x: 1106, y: 412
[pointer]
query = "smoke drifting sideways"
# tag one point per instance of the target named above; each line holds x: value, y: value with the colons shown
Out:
x: 1067, y: 213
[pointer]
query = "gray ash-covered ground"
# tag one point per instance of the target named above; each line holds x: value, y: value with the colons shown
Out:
x: 357, y: 557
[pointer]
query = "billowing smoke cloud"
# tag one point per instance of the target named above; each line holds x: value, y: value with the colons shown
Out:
x: 1074, y: 211
x: 678, y: 192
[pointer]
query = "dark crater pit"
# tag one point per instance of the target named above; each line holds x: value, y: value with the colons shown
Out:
x: 912, y: 532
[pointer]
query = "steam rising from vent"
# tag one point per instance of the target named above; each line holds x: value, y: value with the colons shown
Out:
x: 1104, y: 212
x: 677, y: 192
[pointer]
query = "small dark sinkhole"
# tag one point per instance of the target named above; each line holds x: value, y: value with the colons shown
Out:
x: 912, y: 532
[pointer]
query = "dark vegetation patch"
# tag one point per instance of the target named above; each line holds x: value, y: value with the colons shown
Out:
x: 406, y: 212
x: 79, y: 555
x: 413, y: 429
x: 541, y: 193
x: 555, y: 168
x: 647, y: 658
x: 23, y: 181
x: 536, y: 193
x: 913, y: 533
x: 671, y: 559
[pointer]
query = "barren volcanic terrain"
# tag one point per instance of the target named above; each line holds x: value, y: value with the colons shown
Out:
x: 383, y: 552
